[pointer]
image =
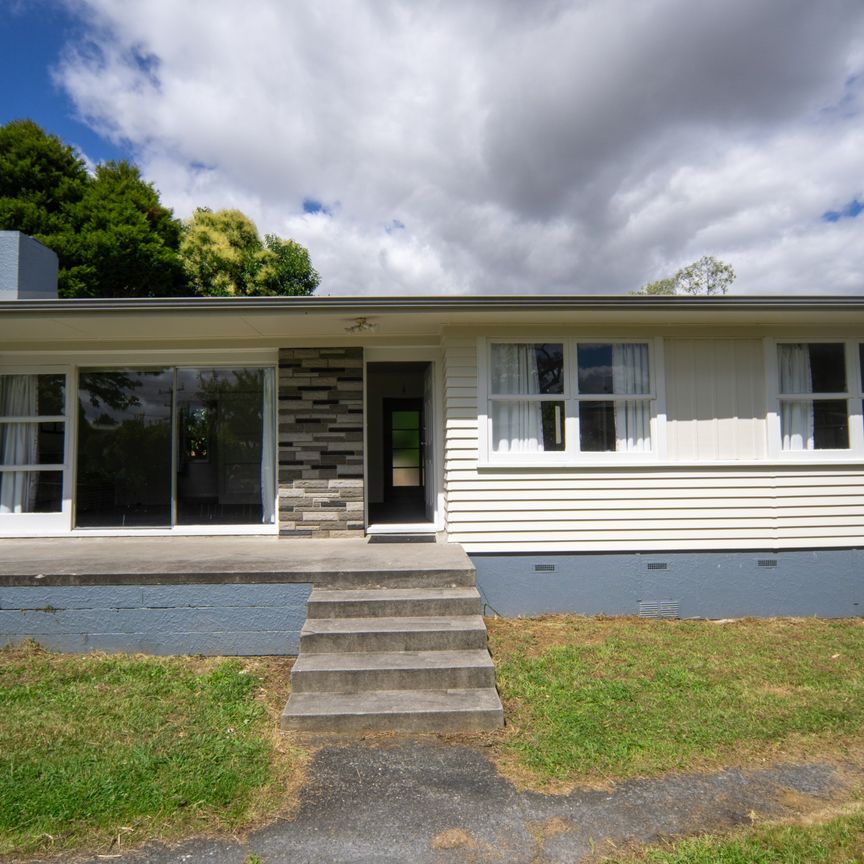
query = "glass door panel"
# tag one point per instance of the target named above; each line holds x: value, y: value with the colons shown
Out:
x: 124, y: 448
x: 220, y: 436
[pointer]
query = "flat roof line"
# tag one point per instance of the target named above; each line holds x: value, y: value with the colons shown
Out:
x: 358, y: 305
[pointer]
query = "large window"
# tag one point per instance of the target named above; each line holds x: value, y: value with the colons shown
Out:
x: 814, y: 390
x: 32, y: 443
x: 570, y: 398
x: 159, y: 447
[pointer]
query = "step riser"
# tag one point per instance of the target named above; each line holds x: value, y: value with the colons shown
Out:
x: 352, y: 724
x: 393, y: 608
x: 412, y: 640
x: 403, y: 579
x: 366, y: 680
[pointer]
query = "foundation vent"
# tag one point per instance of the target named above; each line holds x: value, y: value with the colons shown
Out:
x: 653, y: 609
x: 766, y: 562
x: 658, y: 565
x: 544, y: 568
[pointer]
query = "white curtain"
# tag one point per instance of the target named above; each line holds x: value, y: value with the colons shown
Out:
x: 630, y: 375
x: 268, y: 449
x: 796, y: 417
x: 18, y: 398
x: 517, y: 426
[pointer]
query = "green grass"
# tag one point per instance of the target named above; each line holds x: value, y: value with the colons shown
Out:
x: 608, y: 698
x: 95, y: 747
x: 837, y: 841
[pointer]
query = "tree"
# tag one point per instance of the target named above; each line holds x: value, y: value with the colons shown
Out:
x: 114, y: 238
x: 224, y: 256
x: 704, y: 277
x: 39, y: 177
x: 119, y: 241
x: 111, y: 234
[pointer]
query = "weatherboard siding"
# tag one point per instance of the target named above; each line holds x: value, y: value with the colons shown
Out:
x: 665, y: 506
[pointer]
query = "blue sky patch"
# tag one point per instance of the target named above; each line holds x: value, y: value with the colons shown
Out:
x: 850, y: 211
x: 311, y: 205
x: 393, y: 226
x: 32, y: 38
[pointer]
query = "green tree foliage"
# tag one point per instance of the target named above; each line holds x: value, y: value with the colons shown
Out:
x: 115, y: 239
x: 704, y: 277
x: 224, y: 256
x: 119, y: 241
x: 40, y: 177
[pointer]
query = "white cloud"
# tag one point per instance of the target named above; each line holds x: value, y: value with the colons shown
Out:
x: 586, y: 146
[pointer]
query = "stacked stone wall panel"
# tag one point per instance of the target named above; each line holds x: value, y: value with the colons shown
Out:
x: 321, y: 442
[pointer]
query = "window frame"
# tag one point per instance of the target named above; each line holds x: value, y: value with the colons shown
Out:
x: 38, y: 523
x: 854, y: 397
x: 571, y: 455
x: 62, y: 523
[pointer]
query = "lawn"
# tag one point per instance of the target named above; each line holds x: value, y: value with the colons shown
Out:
x: 99, y: 750
x: 837, y: 841
x: 594, y: 699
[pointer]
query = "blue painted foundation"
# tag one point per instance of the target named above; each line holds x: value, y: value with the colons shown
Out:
x: 827, y: 583
x: 157, y: 619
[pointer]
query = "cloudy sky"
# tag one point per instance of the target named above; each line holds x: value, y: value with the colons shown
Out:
x: 494, y: 146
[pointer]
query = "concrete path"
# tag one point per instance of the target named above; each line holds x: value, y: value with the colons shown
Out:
x: 422, y: 802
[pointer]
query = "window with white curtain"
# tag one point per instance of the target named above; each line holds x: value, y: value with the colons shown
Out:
x: 569, y: 398
x: 32, y: 443
x: 814, y: 393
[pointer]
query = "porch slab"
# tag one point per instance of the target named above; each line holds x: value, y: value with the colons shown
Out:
x: 60, y: 561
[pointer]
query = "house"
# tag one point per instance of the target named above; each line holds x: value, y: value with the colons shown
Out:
x: 661, y: 456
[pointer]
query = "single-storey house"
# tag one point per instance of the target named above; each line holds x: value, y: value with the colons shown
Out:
x: 662, y: 456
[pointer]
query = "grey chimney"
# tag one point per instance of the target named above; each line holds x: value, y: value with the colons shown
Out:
x: 28, y: 270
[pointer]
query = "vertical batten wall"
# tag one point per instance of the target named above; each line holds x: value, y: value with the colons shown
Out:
x: 321, y: 442
x: 703, y: 495
x: 715, y: 392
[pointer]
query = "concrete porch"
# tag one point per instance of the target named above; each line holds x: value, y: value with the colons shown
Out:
x: 390, y: 635
x: 71, y: 561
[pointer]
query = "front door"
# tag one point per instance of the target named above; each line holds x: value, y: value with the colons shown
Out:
x: 404, y: 471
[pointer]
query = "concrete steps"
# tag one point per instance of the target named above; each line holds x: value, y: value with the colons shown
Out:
x: 398, y: 651
x: 396, y: 710
x: 368, y: 602
x: 393, y: 670
x: 427, y: 633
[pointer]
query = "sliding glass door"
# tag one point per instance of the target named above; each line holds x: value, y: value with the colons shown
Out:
x: 168, y: 446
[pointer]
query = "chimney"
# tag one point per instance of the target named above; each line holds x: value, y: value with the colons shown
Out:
x: 28, y: 270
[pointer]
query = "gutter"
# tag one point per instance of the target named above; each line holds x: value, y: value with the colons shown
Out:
x: 359, y: 305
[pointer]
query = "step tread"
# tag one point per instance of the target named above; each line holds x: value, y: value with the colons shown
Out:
x: 397, y: 702
x: 342, y: 595
x: 384, y: 660
x: 399, y: 624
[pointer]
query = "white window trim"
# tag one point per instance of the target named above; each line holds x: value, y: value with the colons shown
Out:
x: 571, y: 456
x: 15, y: 524
x: 61, y: 523
x: 853, y: 397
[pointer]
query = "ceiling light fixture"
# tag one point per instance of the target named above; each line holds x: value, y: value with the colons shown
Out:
x: 361, y: 325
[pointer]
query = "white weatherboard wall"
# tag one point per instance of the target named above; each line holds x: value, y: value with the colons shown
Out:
x: 716, y: 404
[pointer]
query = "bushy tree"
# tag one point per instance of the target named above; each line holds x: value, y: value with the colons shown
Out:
x: 119, y: 241
x: 704, y: 277
x: 224, y: 256
x: 114, y: 238
x: 40, y: 177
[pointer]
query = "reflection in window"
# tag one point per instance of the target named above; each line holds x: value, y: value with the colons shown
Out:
x: 225, y: 467
x: 124, y: 448
x: 139, y: 465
